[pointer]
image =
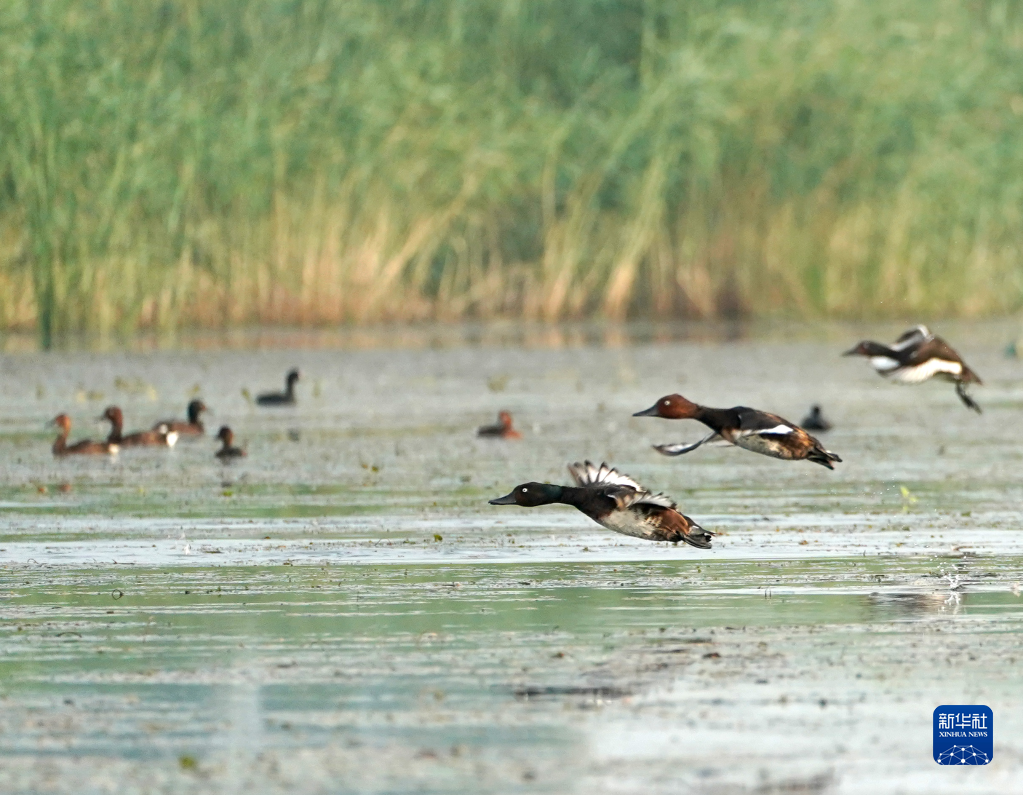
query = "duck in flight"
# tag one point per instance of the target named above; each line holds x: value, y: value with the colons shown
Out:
x: 84, y: 447
x: 191, y: 427
x: 616, y: 502
x: 162, y: 437
x: 502, y: 430
x: 757, y: 431
x: 917, y: 356
x: 285, y: 398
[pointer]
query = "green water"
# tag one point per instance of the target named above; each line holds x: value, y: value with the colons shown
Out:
x: 343, y: 612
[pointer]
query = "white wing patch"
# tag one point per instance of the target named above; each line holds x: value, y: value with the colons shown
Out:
x: 777, y: 430
x: 925, y: 370
x: 915, y: 336
x: 587, y: 474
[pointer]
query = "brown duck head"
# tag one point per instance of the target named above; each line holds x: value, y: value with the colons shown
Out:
x: 671, y: 407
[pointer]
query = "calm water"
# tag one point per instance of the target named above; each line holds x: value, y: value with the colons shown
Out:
x: 343, y: 612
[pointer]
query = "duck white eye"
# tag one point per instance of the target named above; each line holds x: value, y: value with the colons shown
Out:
x: 524, y: 488
x: 666, y: 402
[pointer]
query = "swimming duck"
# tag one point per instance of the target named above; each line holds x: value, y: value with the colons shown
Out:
x: 814, y: 421
x: 191, y: 427
x: 227, y: 449
x: 615, y: 501
x: 757, y: 431
x: 84, y: 447
x: 285, y: 398
x: 916, y: 356
x: 502, y: 430
x: 162, y: 437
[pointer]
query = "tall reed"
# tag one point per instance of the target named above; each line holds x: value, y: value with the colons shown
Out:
x: 171, y: 162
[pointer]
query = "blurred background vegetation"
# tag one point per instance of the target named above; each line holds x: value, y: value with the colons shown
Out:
x: 166, y: 163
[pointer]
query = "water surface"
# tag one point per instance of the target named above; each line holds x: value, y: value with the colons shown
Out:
x: 343, y: 612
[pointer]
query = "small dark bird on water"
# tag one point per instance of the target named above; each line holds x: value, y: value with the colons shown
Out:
x: 162, y: 437
x: 191, y: 427
x: 814, y: 421
x: 616, y: 502
x: 227, y: 449
x: 750, y: 429
x: 502, y: 430
x: 84, y: 447
x: 916, y: 356
x: 285, y: 398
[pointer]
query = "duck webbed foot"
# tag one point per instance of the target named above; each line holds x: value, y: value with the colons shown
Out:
x: 968, y: 401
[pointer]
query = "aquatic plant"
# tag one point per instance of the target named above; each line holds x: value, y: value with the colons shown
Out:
x: 170, y: 162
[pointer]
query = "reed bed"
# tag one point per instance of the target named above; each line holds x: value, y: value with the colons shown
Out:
x: 174, y: 162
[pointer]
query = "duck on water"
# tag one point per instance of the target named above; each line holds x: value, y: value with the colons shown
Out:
x: 285, y: 398
x: 502, y: 430
x: 83, y: 447
x: 227, y: 449
x: 917, y: 356
x: 616, y: 502
x: 191, y: 427
x: 158, y: 438
x: 815, y: 420
x: 750, y: 429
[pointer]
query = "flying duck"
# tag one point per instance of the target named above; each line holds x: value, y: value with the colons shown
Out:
x: 757, y: 431
x: 502, y: 430
x: 227, y: 449
x: 84, y: 447
x: 162, y: 437
x: 814, y: 421
x: 191, y: 427
x: 615, y: 501
x: 916, y: 356
x: 285, y: 398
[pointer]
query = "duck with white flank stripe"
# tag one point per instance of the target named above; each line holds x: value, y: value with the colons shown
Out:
x: 615, y: 501
x: 917, y: 356
x: 757, y: 431
x: 162, y: 437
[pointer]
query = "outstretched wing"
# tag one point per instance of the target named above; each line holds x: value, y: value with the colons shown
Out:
x: 681, y: 448
x: 915, y: 336
x: 627, y: 498
x: 587, y: 474
x: 625, y: 491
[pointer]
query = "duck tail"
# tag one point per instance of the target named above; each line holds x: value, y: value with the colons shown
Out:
x: 964, y: 396
x: 695, y: 535
x: 967, y: 376
x: 823, y: 457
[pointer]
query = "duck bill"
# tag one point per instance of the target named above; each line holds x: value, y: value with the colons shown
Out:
x: 852, y: 351
x: 507, y: 499
x: 650, y: 412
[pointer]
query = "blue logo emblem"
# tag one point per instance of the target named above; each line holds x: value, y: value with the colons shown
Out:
x: 964, y: 734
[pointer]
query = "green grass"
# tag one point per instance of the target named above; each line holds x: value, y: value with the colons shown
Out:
x: 175, y: 162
